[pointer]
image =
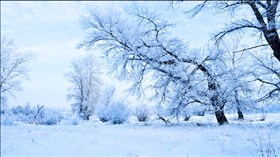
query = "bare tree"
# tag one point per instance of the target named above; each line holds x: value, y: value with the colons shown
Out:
x: 140, y: 47
x: 265, y: 20
x: 13, y: 68
x: 85, y: 86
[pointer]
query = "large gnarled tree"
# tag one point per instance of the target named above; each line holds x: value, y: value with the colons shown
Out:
x: 140, y: 46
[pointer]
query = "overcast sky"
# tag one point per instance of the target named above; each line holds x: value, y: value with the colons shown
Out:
x: 50, y: 32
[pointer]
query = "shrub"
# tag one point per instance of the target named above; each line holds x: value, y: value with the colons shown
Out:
x: 48, y: 117
x: 30, y: 114
x: 116, y: 113
x: 186, y: 114
x: 70, y: 119
x: 103, y: 113
x: 24, y: 113
x: 7, y: 118
x: 266, y: 145
x: 142, y: 113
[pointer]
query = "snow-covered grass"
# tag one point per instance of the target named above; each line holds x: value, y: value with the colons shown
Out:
x: 200, y: 136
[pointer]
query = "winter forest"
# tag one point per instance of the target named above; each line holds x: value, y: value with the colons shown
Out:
x: 171, y: 78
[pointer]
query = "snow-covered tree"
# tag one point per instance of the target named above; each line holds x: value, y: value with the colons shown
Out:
x: 238, y: 79
x: 264, y: 21
x: 84, y: 92
x: 140, y: 47
x: 13, y: 68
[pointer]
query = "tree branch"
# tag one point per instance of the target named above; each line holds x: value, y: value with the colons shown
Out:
x: 250, y: 48
x: 218, y: 37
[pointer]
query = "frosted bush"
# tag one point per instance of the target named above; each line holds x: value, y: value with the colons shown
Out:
x: 7, y: 118
x: 142, y: 113
x: 116, y: 113
x: 103, y: 113
x: 48, y: 117
x: 30, y: 114
x: 24, y: 113
x: 18, y: 114
x: 186, y: 115
x: 70, y: 119
x: 75, y: 121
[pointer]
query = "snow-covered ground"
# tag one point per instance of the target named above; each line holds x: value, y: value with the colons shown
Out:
x: 200, y: 136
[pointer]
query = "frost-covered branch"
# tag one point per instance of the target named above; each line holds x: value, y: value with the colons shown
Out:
x: 268, y: 75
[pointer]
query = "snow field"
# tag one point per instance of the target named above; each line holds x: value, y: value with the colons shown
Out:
x: 201, y: 136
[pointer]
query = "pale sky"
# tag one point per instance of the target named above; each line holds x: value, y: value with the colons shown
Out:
x: 50, y: 31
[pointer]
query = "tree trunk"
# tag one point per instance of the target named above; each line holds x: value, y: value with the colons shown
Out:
x: 216, y: 101
x: 273, y: 40
x: 268, y: 28
x: 275, y: 46
x: 221, y: 118
x: 240, y: 114
x: 218, y: 105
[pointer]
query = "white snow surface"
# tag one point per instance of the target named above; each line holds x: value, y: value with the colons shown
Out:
x: 200, y: 136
